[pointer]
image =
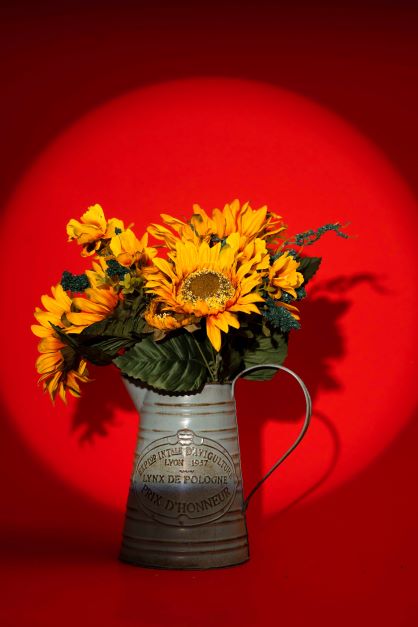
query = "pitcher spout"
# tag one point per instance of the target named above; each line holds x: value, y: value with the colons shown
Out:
x: 136, y: 392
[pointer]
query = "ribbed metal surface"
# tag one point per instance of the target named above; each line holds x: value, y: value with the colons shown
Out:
x: 184, y: 504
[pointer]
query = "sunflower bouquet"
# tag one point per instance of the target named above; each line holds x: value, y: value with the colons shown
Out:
x: 212, y: 296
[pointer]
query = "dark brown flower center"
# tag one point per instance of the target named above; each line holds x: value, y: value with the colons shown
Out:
x: 212, y: 287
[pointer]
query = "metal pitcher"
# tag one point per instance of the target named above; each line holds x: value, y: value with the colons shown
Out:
x: 186, y: 506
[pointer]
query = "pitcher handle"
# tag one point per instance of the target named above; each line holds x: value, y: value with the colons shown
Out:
x: 301, y: 434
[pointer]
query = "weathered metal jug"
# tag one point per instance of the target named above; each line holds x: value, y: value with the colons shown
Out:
x: 186, y: 506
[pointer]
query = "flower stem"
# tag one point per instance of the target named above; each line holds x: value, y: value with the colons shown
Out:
x: 216, y: 362
x: 206, y: 362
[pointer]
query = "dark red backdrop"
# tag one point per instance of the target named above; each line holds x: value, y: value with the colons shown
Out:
x: 349, y: 556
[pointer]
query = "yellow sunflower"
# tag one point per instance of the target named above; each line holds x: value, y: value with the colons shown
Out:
x: 206, y: 282
x: 157, y: 317
x: 60, y: 368
x: 92, y: 229
x: 284, y: 276
x: 109, y: 238
x: 98, y: 302
x: 234, y: 218
x: 56, y: 308
x: 128, y: 249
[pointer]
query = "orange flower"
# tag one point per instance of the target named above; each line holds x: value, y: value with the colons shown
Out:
x: 127, y: 249
x: 206, y: 282
x: 284, y: 277
x: 59, y: 366
x: 234, y: 218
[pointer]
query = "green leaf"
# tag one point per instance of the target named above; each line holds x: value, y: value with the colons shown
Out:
x: 172, y: 365
x: 115, y: 328
x: 97, y: 351
x: 95, y: 355
x: 112, y: 344
x: 231, y: 363
x: 66, y: 338
x: 265, y: 350
x: 308, y: 267
x: 102, y: 353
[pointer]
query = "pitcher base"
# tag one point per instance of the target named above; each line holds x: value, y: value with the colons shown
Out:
x: 186, y: 562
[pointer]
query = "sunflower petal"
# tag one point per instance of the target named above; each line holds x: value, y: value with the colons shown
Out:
x: 213, y: 334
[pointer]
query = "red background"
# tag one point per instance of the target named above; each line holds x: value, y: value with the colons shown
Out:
x: 346, y: 556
